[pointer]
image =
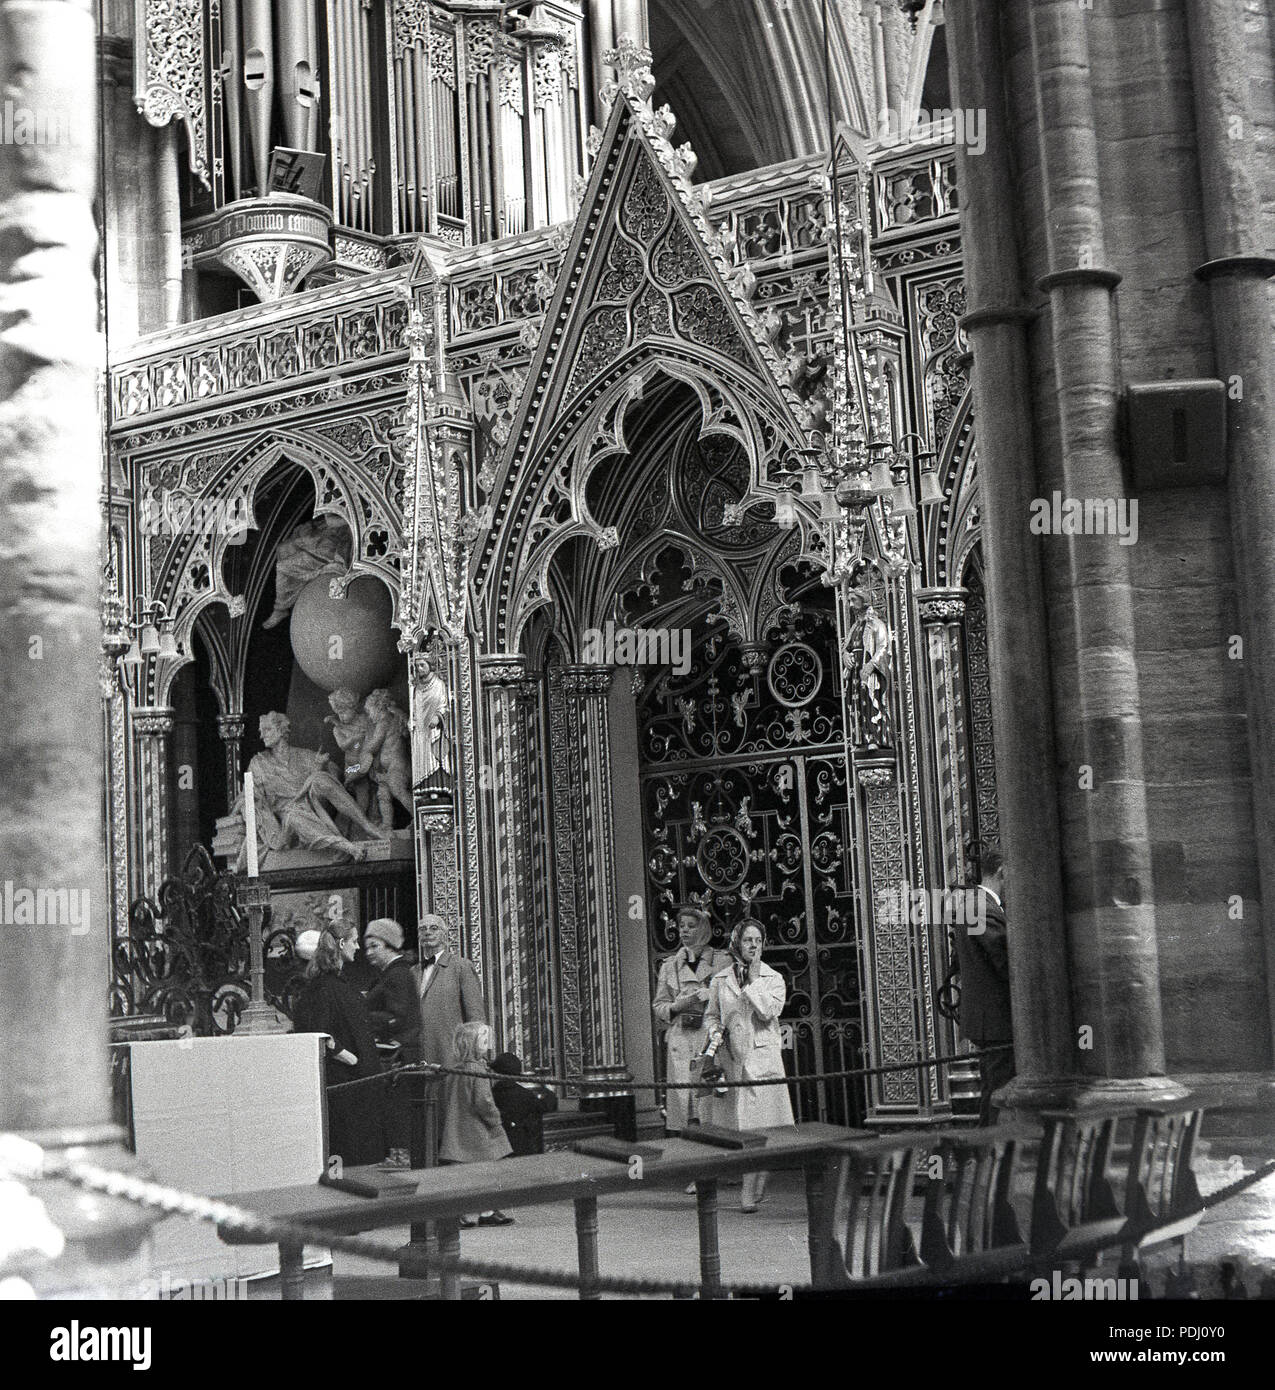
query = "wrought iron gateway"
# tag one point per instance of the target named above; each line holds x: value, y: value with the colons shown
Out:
x: 745, y: 810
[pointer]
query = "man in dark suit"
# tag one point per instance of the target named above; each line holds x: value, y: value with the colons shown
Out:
x: 981, y: 935
x: 394, y: 1004
x: 450, y: 992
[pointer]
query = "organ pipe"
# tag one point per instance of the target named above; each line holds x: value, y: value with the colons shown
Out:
x: 231, y: 69
x: 297, y: 40
x: 258, y: 81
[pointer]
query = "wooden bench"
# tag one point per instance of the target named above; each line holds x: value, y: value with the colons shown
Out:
x: 969, y: 1229
x: 444, y: 1195
x: 1162, y: 1201
x: 867, y: 1205
x: 1075, y: 1211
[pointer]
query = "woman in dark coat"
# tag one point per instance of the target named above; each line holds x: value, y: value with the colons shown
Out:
x: 329, y: 1005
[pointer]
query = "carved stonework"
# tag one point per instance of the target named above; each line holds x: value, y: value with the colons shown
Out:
x: 941, y: 610
x: 171, y: 72
x: 153, y: 723
x: 438, y: 878
x: 894, y: 987
x: 546, y: 73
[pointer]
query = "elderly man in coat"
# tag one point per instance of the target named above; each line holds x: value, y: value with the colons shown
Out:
x: 450, y: 992
x: 744, y: 1004
x: 681, y: 996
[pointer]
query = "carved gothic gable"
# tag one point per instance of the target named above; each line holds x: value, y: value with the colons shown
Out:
x: 644, y: 286
x: 644, y: 272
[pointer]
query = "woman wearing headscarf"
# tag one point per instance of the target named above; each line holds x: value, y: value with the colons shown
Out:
x: 744, y: 1004
x: 681, y: 996
x: 329, y: 1005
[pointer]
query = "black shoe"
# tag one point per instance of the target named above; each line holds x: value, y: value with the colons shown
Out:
x: 495, y: 1218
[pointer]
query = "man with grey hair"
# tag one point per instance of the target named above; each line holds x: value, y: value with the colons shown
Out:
x: 451, y: 993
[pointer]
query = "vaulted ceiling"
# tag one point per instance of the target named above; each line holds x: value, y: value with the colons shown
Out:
x: 746, y: 78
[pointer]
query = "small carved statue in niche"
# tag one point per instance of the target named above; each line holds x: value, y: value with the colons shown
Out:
x: 874, y: 680
x: 385, y: 756
x: 431, y: 748
x: 350, y: 729
x: 297, y: 797
x: 321, y: 544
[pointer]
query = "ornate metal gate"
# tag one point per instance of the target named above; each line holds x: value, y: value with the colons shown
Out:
x: 745, y: 810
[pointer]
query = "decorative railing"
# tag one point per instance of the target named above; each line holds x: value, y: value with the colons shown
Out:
x: 185, y: 957
x: 772, y: 220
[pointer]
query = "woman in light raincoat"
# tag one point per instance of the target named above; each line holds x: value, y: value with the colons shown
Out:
x: 681, y: 996
x: 744, y: 1004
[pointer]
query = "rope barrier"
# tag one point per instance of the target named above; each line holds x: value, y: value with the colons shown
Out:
x: 1224, y: 1194
x: 173, y: 1202
x: 37, y: 1164
x: 611, y: 1088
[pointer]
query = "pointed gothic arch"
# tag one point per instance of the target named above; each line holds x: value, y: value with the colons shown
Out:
x: 187, y: 573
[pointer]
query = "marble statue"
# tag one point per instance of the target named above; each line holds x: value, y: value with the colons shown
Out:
x: 386, y: 757
x: 321, y: 544
x: 431, y: 707
x: 874, y: 679
x: 297, y: 797
x: 350, y: 727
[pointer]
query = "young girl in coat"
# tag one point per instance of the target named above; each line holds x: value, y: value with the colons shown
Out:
x: 472, y: 1130
x: 744, y: 1004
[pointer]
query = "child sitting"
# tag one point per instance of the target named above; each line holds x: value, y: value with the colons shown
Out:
x: 522, y: 1105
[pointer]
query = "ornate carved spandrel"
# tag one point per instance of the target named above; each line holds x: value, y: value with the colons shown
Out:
x: 171, y: 71
x: 892, y: 984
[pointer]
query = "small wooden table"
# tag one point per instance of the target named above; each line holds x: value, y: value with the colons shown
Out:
x: 444, y: 1195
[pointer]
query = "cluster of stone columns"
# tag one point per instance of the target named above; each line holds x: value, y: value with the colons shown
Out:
x: 1068, y: 712
x: 54, y: 1083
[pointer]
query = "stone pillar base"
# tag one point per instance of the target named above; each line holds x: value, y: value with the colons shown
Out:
x: 107, y: 1252
x: 1026, y: 1096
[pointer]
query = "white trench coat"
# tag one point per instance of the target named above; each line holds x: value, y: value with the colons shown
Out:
x: 751, y: 1050
x: 684, y: 1044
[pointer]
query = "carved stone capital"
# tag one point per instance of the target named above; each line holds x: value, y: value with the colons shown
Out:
x: 502, y: 670
x: 879, y: 776
x: 581, y: 681
x: 154, y: 723
x: 941, y: 605
x: 230, y: 727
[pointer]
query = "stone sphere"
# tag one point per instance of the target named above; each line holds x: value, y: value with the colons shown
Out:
x: 345, y: 641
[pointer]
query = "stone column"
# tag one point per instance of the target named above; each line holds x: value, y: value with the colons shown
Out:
x: 1236, y: 272
x: 942, y: 614
x: 231, y: 729
x: 585, y: 865
x: 54, y: 947
x: 1023, y: 730
x: 508, y: 811
x: 1089, y: 586
x: 153, y: 729
x: 897, y: 987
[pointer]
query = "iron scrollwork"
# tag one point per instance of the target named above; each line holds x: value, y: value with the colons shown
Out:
x: 185, y: 957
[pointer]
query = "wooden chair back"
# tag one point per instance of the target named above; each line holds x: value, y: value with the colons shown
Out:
x: 969, y: 1228
x: 1075, y: 1212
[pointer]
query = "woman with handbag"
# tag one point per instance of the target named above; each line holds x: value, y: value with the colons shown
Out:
x: 681, y: 996
x: 744, y: 1004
